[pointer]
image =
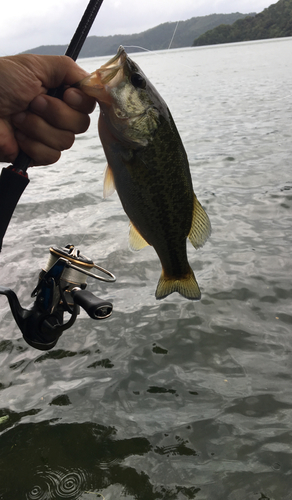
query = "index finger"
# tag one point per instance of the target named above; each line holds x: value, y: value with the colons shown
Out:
x: 76, y: 99
x: 52, y: 71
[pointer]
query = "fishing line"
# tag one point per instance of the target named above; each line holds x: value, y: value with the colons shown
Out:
x: 148, y: 50
x: 82, y: 239
x: 154, y: 52
x: 173, y: 35
x: 281, y: 98
x: 137, y: 47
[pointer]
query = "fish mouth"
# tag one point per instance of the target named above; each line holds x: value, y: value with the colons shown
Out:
x: 108, y: 71
x: 116, y: 62
x: 108, y: 74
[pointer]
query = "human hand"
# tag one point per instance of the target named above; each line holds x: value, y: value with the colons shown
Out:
x: 40, y: 125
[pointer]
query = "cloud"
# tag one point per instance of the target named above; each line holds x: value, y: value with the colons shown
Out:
x: 29, y: 24
x: 24, y: 25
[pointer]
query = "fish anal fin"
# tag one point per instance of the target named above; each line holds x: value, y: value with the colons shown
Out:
x: 136, y: 241
x: 186, y: 286
x: 201, y: 226
x: 108, y: 182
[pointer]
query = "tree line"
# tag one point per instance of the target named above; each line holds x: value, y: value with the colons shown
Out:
x: 273, y: 22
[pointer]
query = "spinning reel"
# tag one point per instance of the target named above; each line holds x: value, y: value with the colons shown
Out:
x: 61, y: 288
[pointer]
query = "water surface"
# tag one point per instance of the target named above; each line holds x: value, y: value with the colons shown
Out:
x: 171, y: 399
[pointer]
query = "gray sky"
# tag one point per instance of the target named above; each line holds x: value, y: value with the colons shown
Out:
x: 25, y: 24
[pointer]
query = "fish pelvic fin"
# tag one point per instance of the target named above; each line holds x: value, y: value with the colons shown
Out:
x: 201, y: 225
x: 108, y: 182
x: 136, y: 241
x: 186, y: 286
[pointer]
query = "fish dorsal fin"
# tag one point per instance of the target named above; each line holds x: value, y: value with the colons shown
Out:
x: 136, y: 241
x: 201, y: 226
x: 108, y: 182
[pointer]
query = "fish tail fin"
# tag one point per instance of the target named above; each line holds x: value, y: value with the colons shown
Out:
x: 186, y: 286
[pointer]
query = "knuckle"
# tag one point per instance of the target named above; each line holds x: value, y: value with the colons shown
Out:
x: 66, y: 141
x: 46, y: 158
x: 39, y: 153
x: 55, y: 156
x: 84, y: 124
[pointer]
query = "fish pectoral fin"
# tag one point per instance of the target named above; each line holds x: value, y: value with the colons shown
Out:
x: 136, y: 241
x: 108, y: 182
x: 201, y: 225
x: 186, y: 286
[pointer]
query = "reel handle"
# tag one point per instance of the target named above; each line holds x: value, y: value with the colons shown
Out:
x: 96, y: 308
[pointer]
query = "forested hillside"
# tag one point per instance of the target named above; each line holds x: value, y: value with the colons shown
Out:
x: 167, y: 35
x: 273, y: 22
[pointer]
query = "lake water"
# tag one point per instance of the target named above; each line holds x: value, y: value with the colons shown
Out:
x: 171, y: 399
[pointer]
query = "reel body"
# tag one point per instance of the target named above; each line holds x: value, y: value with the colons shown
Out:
x: 61, y: 288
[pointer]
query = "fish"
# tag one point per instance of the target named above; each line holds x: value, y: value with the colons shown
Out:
x: 148, y: 167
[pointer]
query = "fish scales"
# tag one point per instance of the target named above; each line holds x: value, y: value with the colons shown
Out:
x: 148, y: 166
x: 166, y: 203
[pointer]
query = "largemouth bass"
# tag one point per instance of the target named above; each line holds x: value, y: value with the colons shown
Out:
x: 148, y: 166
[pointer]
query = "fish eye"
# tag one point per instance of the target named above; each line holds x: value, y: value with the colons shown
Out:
x: 138, y: 81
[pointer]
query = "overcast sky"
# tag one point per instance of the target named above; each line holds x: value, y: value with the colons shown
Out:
x: 25, y: 24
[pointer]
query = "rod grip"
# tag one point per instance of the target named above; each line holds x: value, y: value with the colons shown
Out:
x: 12, y: 185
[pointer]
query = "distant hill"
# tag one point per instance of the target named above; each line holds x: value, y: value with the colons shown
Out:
x: 178, y: 34
x: 273, y: 22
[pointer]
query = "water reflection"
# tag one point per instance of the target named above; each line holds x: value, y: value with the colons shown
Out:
x: 64, y: 460
x: 48, y: 461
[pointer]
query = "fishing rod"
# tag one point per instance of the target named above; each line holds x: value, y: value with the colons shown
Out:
x: 14, y: 179
x: 62, y: 282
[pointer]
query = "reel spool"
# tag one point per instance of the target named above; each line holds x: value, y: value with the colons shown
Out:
x: 77, y: 265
